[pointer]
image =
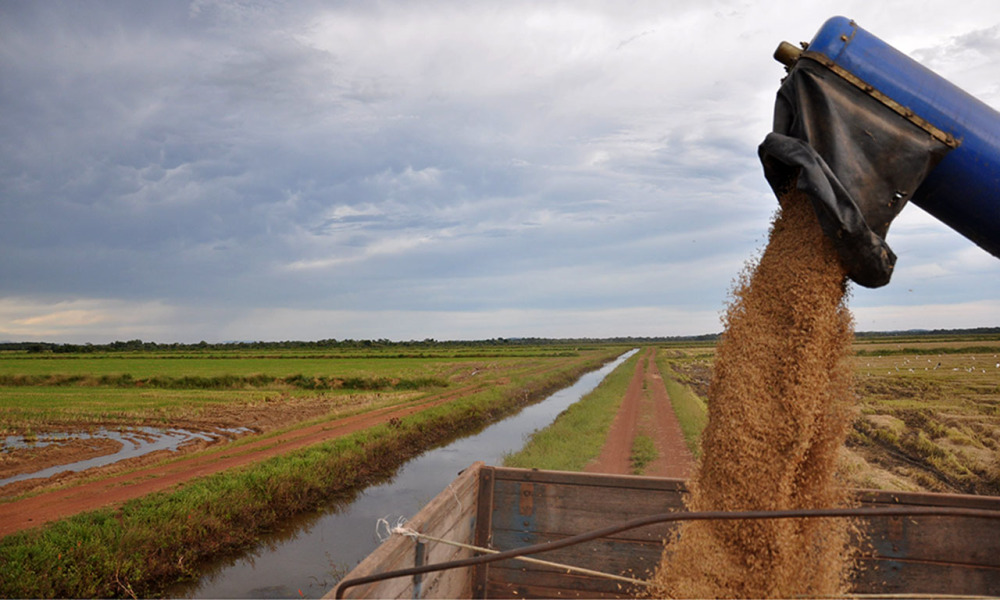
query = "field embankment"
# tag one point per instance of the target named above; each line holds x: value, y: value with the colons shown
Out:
x: 577, y: 435
x: 628, y: 424
x: 142, y: 545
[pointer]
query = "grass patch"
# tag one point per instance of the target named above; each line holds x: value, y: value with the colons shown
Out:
x: 643, y: 452
x: 224, y: 382
x: 578, y: 434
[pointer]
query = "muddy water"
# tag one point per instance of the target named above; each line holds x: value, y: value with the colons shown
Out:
x: 134, y: 442
x: 307, y: 557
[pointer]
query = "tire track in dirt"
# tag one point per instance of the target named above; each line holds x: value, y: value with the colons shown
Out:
x: 646, y: 409
x: 61, y: 503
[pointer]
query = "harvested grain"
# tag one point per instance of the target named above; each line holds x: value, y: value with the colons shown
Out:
x: 780, y: 403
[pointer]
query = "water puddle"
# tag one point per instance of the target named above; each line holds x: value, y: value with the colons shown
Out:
x: 308, y: 556
x: 134, y: 441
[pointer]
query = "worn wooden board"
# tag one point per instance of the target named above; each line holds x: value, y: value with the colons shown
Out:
x: 932, y: 555
x: 566, y: 505
x: 885, y: 576
x: 450, y: 515
x: 524, y: 583
x: 942, y: 539
x: 531, y: 507
x: 618, y: 557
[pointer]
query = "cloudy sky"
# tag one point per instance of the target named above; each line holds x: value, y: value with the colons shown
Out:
x: 185, y: 171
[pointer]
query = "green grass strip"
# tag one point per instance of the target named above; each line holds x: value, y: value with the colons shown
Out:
x: 579, y: 432
x: 223, y: 382
x: 643, y: 452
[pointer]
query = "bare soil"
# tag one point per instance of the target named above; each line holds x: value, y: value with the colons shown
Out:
x: 69, y: 493
x: 646, y: 409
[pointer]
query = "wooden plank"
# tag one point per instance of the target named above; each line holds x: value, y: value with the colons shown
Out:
x: 569, y: 503
x: 447, y: 516
x: 570, y: 509
x: 501, y: 590
x: 484, y: 528
x: 561, y: 510
x: 599, y: 480
x: 885, y: 576
x: 564, y: 504
x: 956, y: 540
x: 525, y: 575
x: 451, y: 512
x: 450, y: 516
x: 967, y: 541
x: 506, y: 508
x: 881, y: 497
x: 631, y: 559
x: 453, y: 583
x: 516, y: 583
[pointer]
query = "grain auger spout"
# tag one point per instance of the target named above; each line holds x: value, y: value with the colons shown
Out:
x: 862, y: 129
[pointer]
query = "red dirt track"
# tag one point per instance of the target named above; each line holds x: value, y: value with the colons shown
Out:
x: 60, y: 503
x: 646, y: 409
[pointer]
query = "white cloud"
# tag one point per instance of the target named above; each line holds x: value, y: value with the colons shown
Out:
x: 927, y: 316
x: 89, y: 319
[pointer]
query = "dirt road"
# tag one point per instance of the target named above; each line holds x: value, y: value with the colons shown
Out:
x: 646, y: 409
x: 116, y: 489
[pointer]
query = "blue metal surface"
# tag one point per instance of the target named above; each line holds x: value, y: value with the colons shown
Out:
x: 963, y: 191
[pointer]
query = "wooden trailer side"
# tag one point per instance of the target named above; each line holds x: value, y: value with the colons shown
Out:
x: 930, y: 555
x: 450, y: 515
x: 530, y: 507
x: 504, y: 509
x: 899, y: 555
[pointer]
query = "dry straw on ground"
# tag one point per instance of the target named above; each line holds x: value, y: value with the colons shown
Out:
x: 780, y: 404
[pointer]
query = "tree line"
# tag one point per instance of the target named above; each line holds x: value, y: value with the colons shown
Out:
x: 138, y: 345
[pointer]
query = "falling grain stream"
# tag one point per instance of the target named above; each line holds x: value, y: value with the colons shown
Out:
x: 779, y: 408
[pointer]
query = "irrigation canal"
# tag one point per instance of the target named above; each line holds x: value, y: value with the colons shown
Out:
x: 307, y: 557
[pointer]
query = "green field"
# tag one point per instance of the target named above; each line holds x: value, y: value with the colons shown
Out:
x: 46, y: 390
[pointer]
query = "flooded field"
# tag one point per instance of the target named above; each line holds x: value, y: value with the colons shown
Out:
x: 111, y: 446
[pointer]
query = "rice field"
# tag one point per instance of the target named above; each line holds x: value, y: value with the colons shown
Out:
x: 928, y: 411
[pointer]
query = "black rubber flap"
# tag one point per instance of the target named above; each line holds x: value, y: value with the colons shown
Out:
x: 856, y: 159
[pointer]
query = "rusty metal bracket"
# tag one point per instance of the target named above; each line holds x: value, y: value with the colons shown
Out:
x: 945, y: 138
